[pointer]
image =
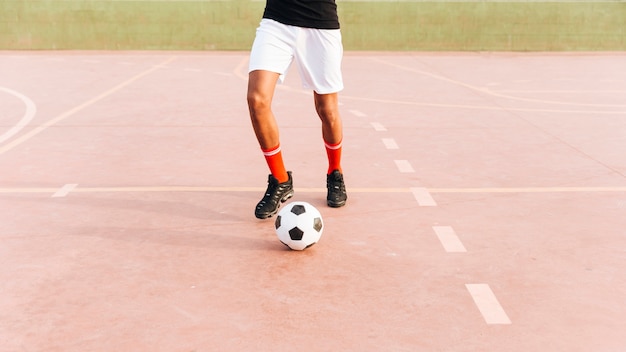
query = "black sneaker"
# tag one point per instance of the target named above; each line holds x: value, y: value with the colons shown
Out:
x: 336, y: 196
x: 275, y: 194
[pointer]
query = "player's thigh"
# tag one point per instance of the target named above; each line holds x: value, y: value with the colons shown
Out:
x: 272, y: 49
x: 261, y: 86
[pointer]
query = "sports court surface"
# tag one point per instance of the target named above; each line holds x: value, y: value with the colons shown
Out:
x: 486, y: 210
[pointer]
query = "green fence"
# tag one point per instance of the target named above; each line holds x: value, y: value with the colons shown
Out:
x: 366, y: 25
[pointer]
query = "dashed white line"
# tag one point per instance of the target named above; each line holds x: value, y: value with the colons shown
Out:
x: 390, y: 143
x: 488, y: 304
x: 422, y: 197
x: 357, y: 113
x: 65, y: 190
x: 378, y: 127
x: 450, y: 241
x: 404, y: 166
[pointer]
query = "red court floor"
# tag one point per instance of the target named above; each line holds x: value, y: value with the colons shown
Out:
x: 486, y: 210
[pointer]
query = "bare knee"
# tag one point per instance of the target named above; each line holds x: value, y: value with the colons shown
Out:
x: 258, y: 104
x: 261, y: 86
x: 327, y: 110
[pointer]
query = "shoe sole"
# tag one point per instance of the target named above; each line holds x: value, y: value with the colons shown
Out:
x: 336, y: 205
x: 282, y: 200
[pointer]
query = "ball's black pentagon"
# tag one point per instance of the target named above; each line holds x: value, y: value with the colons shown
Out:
x: 277, y: 222
x: 298, y: 209
x: 296, y: 234
x: 317, y: 224
x: 310, y: 245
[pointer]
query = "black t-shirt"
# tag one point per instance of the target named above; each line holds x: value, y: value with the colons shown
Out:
x: 320, y: 14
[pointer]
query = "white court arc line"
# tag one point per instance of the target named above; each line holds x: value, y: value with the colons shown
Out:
x: 237, y: 71
x: 31, y: 111
x: 25, y: 137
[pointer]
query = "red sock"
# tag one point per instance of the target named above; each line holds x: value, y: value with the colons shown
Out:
x: 333, y: 151
x: 274, y: 159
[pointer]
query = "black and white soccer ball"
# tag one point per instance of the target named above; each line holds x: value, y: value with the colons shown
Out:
x: 299, y: 225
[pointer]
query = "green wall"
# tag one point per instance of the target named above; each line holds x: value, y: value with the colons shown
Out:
x: 366, y: 25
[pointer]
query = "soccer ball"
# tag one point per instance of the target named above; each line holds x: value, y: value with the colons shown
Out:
x: 299, y: 225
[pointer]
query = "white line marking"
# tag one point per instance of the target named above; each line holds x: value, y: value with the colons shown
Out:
x: 422, y: 197
x: 357, y: 113
x: 35, y: 131
x: 564, y: 91
x: 390, y: 143
x: 65, y: 190
x: 485, y: 107
x: 469, y: 86
x: 124, y: 189
x: 241, y: 69
x: 528, y: 190
x: 31, y: 110
x: 378, y: 127
x: 404, y: 166
x: 450, y: 241
x: 488, y: 304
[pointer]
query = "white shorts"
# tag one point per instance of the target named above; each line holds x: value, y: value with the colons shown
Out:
x: 317, y: 53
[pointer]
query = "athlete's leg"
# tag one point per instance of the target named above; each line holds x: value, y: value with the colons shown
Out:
x: 327, y: 108
x: 270, y: 57
x: 261, y: 86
